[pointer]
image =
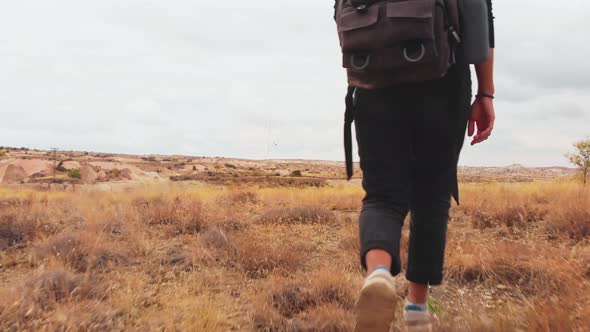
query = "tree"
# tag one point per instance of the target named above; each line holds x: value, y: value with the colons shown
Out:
x: 581, y: 157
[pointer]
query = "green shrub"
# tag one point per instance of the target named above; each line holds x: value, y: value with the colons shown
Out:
x: 2, y: 153
x: 296, y: 173
x: 75, y: 174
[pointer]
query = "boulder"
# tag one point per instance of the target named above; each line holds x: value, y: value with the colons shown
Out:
x: 69, y: 165
x: 101, y: 175
x: 88, y: 174
x: 126, y: 174
x: 14, y: 174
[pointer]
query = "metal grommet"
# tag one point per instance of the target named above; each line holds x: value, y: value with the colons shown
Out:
x: 365, y: 64
x: 361, y: 9
x: 420, y: 57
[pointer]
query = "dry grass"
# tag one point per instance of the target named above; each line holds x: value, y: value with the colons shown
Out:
x: 57, y: 300
x: 322, y: 302
x: 178, y: 215
x: 206, y: 258
x: 298, y: 215
x: 259, y: 255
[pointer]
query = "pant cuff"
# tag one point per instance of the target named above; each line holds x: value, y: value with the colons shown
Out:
x: 424, y: 280
x: 382, y: 245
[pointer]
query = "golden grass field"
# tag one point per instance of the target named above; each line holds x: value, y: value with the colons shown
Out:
x: 195, y: 257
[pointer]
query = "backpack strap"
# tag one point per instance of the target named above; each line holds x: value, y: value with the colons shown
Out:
x: 348, y: 119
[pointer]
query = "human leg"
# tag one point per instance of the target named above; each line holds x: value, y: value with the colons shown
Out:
x: 383, y: 142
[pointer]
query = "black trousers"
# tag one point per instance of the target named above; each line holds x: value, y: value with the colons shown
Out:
x: 409, y: 139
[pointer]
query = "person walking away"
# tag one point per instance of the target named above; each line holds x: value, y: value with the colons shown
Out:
x: 409, y: 96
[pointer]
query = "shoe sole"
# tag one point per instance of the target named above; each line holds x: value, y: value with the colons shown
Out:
x: 419, y: 327
x: 375, y: 309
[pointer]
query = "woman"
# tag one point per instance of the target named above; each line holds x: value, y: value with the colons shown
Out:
x: 409, y: 138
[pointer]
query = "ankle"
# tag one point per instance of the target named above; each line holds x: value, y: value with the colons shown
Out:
x: 416, y: 300
x: 417, y: 293
x: 412, y: 306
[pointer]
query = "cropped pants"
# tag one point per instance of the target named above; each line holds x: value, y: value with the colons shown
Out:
x: 409, y: 139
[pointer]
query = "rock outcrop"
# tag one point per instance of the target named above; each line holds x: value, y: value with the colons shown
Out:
x: 88, y: 174
x: 126, y: 174
x: 14, y: 174
x: 101, y: 176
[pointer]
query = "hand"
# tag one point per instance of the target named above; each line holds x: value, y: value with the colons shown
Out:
x: 482, y: 117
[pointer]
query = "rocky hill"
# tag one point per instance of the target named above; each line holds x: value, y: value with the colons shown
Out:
x: 24, y: 166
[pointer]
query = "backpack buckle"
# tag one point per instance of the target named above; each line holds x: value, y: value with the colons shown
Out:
x: 455, y: 34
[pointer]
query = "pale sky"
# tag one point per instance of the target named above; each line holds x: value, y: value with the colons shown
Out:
x: 257, y: 79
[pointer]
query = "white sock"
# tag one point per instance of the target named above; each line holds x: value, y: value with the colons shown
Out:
x: 380, y: 270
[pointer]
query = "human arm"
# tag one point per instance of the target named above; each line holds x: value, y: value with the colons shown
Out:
x: 482, y: 114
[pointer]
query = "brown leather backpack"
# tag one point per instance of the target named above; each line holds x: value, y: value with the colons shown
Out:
x: 386, y: 42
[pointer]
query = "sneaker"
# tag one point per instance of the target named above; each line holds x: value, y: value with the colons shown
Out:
x: 375, y: 308
x: 418, y: 319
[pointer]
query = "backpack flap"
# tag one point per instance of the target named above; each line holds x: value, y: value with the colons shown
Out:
x: 404, y: 37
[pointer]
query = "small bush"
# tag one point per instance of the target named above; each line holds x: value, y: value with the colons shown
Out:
x: 296, y: 173
x: 74, y: 174
x: 216, y: 238
x: 510, y: 216
x: 2, y: 153
x: 57, y: 301
x: 299, y: 215
x: 180, y: 215
x: 291, y: 300
x: 59, y: 286
x: 15, y: 231
x: 185, y: 258
x: 574, y: 222
x: 333, y: 287
x: 115, y: 172
x: 258, y: 257
x: 239, y: 197
x: 523, y: 267
x: 66, y: 247
x: 76, y: 252
x: 322, y: 303
x: 232, y: 166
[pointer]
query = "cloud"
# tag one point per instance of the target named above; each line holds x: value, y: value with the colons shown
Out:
x: 255, y: 79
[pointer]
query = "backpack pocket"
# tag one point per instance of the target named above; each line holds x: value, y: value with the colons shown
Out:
x: 392, y: 34
x: 409, y: 21
x: 359, y: 30
x: 409, y: 33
